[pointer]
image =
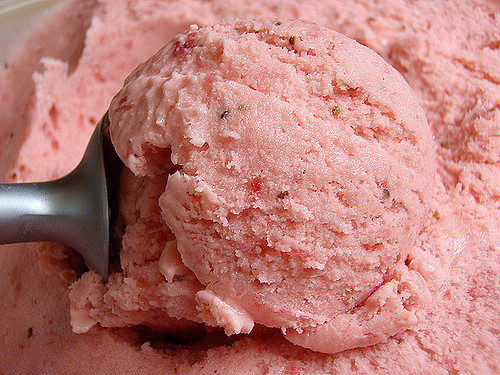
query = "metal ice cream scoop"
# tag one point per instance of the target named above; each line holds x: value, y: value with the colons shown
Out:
x: 76, y: 210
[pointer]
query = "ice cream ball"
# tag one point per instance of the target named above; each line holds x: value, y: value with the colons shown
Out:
x: 296, y: 169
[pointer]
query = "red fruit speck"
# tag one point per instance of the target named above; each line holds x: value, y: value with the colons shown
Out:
x: 180, y: 48
x: 99, y: 76
x: 190, y: 41
x: 122, y: 104
x: 256, y: 185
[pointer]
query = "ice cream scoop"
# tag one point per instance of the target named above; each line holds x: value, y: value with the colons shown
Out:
x: 75, y: 210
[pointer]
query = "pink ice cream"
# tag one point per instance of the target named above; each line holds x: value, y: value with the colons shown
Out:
x: 155, y: 313
x: 294, y: 168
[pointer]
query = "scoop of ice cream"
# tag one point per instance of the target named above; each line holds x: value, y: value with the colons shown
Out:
x: 295, y: 167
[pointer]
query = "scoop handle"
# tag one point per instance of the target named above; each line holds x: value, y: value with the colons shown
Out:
x: 64, y: 211
x: 39, y: 211
x: 72, y: 210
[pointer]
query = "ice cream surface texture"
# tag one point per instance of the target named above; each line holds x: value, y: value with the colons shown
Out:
x: 295, y: 168
x: 416, y: 252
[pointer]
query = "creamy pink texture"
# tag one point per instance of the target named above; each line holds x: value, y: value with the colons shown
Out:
x: 301, y: 169
x: 447, y: 51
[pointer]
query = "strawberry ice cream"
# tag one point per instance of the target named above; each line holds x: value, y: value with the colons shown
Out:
x: 294, y: 168
x: 276, y: 189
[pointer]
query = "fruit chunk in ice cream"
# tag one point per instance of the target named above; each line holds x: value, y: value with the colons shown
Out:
x: 289, y: 169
